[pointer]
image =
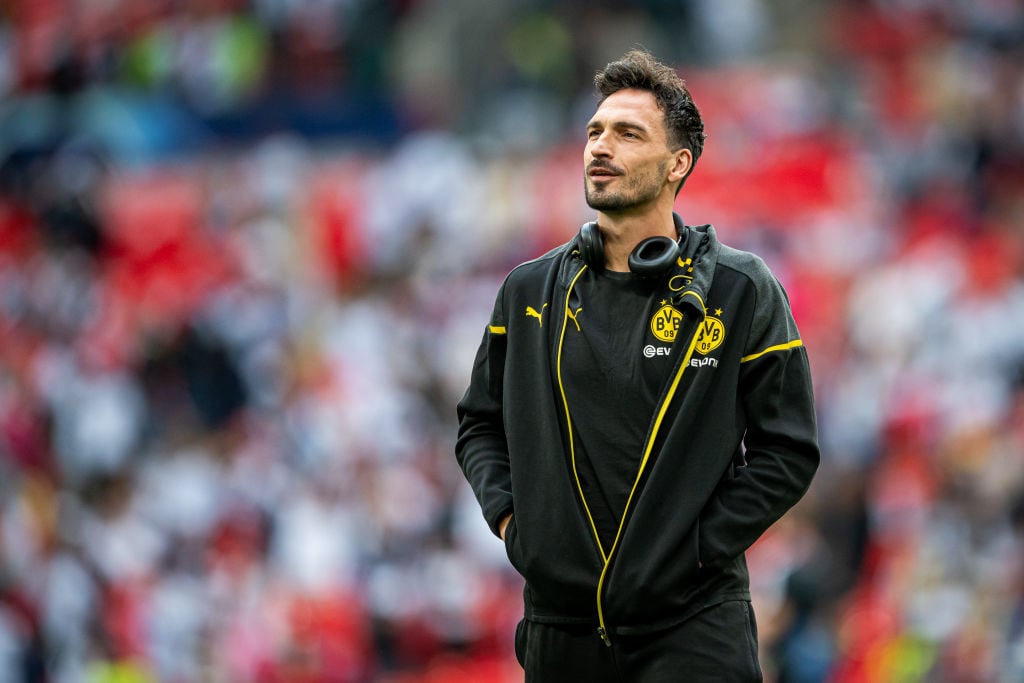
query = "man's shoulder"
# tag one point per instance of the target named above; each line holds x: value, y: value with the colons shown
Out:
x: 745, y: 263
x: 539, y: 266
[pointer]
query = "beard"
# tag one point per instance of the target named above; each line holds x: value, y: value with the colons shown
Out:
x: 633, y: 191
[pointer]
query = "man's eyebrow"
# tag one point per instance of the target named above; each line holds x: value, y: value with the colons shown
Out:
x: 617, y: 125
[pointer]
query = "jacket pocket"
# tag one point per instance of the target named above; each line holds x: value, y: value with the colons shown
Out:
x: 511, y: 547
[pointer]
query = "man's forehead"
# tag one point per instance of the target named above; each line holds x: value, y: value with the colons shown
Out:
x: 638, y: 106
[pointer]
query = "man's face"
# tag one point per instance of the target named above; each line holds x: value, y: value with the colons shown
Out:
x: 627, y: 160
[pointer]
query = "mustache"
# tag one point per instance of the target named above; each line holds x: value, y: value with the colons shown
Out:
x: 604, y: 166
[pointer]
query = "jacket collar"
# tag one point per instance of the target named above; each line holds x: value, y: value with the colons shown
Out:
x: 691, y: 278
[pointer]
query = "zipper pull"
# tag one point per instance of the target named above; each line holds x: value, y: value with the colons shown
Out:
x: 604, y: 636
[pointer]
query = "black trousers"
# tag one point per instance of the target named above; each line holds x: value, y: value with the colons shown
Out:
x: 717, y: 645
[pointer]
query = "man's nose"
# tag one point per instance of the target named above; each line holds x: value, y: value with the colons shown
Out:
x: 600, y: 147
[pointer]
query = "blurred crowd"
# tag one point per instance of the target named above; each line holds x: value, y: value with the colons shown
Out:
x: 248, y: 248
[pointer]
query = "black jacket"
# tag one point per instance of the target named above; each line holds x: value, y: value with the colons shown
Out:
x: 731, y: 447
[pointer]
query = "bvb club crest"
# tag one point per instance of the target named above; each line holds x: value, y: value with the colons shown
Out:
x: 710, y: 335
x: 665, y: 323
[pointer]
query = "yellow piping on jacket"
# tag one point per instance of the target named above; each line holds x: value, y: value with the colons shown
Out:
x: 648, y: 448
x: 568, y: 420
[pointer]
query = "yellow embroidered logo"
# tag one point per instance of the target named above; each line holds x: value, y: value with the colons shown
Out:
x: 572, y: 316
x: 665, y: 322
x: 534, y: 313
x: 710, y: 335
x: 680, y: 280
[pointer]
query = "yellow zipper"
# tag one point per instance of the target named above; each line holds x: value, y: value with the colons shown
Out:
x: 602, y: 630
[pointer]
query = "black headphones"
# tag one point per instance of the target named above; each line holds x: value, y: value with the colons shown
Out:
x: 652, y: 258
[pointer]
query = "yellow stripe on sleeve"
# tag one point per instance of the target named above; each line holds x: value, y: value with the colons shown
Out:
x: 778, y: 347
x: 496, y: 329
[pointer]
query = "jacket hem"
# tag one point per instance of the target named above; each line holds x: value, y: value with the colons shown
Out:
x: 642, y: 628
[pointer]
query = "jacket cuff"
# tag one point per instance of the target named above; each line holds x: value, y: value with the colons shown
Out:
x: 495, y: 520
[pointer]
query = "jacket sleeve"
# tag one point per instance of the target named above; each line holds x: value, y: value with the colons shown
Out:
x: 481, y: 447
x: 781, y: 443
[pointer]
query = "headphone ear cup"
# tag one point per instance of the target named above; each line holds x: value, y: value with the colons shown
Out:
x: 653, y: 256
x: 592, y: 246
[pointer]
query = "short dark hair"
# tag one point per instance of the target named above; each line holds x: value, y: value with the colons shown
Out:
x: 638, y: 69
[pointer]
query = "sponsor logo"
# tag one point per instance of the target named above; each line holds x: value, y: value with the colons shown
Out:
x: 650, y: 351
x: 572, y: 316
x: 532, y: 312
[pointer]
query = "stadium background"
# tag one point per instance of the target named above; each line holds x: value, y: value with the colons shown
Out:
x: 247, y: 250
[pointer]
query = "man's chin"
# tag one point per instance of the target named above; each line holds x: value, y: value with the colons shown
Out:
x: 606, y: 203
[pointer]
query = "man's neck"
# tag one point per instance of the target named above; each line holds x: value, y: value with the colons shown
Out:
x: 622, y: 232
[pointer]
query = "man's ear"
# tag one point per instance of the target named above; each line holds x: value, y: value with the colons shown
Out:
x: 683, y: 162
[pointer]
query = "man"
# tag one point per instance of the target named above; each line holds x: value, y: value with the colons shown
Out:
x: 639, y: 413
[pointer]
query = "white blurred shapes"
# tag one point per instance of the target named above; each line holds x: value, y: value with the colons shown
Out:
x: 178, y: 613
x: 98, y: 413
x: 316, y: 543
x: 425, y: 203
x: 12, y: 638
x: 890, y: 309
x: 70, y: 598
x: 473, y: 535
x: 731, y: 29
x: 403, y: 503
x: 182, y: 492
x: 119, y: 541
x: 369, y: 345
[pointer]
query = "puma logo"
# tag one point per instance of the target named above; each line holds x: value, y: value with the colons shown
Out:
x: 572, y: 316
x: 534, y: 313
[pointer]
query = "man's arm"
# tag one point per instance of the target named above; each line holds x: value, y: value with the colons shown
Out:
x: 481, y: 447
x: 781, y: 455
x: 781, y: 439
